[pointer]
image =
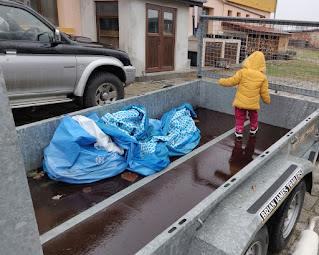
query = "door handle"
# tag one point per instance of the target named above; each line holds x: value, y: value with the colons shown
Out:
x: 159, y: 41
x: 11, y: 52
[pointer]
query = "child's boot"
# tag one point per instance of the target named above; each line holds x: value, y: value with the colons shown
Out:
x: 253, y: 131
x: 239, y: 133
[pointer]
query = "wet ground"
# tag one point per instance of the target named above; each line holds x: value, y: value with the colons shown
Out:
x: 127, y: 225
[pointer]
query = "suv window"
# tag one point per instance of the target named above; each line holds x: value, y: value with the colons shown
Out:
x: 17, y: 24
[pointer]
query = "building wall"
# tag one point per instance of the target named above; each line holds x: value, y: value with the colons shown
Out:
x: 132, y: 26
x: 314, y: 39
x: 311, y: 37
x: 269, y: 5
x: 70, y: 16
x: 218, y: 8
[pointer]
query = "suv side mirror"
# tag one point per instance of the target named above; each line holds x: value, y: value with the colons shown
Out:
x: 57, y: 37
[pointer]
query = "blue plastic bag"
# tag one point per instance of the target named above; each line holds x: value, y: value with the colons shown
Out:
x: 148, y: 143
x: 71, y: 156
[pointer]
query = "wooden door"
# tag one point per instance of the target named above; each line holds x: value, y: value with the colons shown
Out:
x: 160, y: 38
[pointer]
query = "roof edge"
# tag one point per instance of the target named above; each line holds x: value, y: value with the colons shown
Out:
x: 193, y: 2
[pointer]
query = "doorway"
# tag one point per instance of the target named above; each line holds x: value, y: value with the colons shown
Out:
x: 160, y: 38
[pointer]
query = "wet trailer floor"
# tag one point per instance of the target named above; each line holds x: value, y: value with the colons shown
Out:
x: 127, y: 225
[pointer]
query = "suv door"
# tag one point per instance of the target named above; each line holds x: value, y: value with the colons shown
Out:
x: 32, y: 64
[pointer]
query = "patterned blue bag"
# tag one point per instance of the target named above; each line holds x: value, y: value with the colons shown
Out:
x: 180, y: 130
x: 130, y: 128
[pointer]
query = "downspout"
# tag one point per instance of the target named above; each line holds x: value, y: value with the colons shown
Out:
x: 275, y: 9
x: 243, y: 8
x: 193, y: 20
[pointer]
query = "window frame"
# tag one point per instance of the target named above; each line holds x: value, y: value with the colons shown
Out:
x: 230, y: 12
x: 97, y: 16
x: 206, y: 10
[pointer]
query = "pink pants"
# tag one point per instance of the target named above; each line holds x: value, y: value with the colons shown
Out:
x: 241, y: 114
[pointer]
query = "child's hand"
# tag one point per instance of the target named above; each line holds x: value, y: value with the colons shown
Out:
x: 232, y: 81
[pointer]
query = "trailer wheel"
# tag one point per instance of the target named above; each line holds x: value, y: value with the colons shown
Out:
x: 259, y: 245
x: 282, y: 223
x: 102, y: 88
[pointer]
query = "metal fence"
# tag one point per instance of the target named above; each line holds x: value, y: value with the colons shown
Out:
x: 291, y: 50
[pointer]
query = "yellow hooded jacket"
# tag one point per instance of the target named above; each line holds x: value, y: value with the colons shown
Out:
x: 252, y: 83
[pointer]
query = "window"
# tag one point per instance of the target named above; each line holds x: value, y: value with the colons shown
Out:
x: 247, y: 15
x: 107, y: 22
x: 205, y: 11
x: 211, y: 11
x: 4, y: 26
x: 19, y: 25
x: 238, y: 14
x: 168, y: 23
x: 230, y: 13
x: 47, y: 8
x: 153, y: 21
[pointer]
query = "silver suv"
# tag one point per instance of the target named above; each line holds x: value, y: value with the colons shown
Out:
x: 42, y: 65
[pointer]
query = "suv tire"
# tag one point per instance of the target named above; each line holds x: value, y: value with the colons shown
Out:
x: 102, y: 88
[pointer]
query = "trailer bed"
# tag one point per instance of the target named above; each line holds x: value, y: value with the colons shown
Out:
x: 79, y: 197
x: 130, y: 223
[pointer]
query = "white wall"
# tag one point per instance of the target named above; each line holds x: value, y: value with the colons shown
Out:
x: 132, y: 26
x: 88, y: 19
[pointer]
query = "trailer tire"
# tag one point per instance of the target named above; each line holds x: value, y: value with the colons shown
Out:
x: 102, y: 88
x: 259, y: 245
x: 281, y: 224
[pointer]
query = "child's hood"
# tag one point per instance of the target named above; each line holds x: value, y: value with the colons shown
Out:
x: 256, y: 61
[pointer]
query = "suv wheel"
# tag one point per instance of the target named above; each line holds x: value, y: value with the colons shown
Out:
x: 102, y: 88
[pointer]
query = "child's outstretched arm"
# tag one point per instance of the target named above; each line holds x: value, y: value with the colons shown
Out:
x: 232, y: 81
x: 264, y: 93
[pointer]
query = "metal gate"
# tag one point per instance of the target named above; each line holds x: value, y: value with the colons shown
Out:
x: 291, y: 50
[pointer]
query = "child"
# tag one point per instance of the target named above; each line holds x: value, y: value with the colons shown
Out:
x: 252, y: 83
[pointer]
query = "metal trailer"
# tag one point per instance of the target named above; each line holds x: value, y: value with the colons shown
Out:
x: 152, y: 215
x: 196, y: 205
